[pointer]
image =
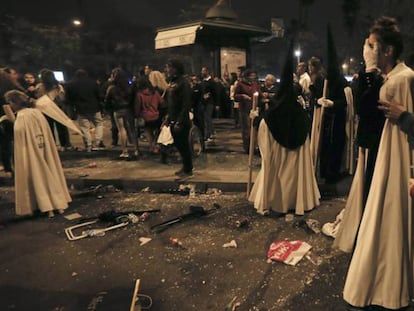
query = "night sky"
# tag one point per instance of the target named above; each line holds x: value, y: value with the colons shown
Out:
x: 160, y: 13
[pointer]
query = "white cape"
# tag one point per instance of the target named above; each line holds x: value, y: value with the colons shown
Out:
x: 286, y: 181
x: 381, y: 269
x: 49, y: 108
x: 39, y: 179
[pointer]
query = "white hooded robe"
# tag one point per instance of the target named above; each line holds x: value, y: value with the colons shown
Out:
x: 39, y: 179
x: 381, y: 268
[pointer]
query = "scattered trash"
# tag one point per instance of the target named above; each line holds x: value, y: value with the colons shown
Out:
x: 231, y: 244
x: 144, y: 240
x: 144, y: 216
x: 310, y: 225
x: 314, y: 225
x: 90, y: 232
x: 118, y: 219
x: 213, y: 191
x: 244, y: 223
x: 92, y: 165
x: 232, y: 305
x: 74, y: 274
x: 83, y: 175
x: 146, y: 189
x: 313, y: 258
x: 134, y: 218
x: 176, y: 242
x: 331, y: 228
x: 109, y: 189
x: 195, y: 212
x: 288, y: 252
x: 289, y: 217
x: 73, y: 216
x: 99, y: 197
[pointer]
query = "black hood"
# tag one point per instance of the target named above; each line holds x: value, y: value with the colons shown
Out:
x: 288, y: 122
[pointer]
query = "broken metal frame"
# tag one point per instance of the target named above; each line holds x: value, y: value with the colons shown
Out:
x: 91, y: 232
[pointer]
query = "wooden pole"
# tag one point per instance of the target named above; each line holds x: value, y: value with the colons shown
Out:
x: 319, y: 127
x: 251, y: 146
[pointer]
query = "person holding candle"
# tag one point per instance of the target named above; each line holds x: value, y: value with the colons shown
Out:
x: 286, y: 181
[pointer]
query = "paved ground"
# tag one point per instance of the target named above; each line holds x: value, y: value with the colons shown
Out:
x: 40, y: 269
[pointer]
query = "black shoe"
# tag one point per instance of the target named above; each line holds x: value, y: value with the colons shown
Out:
x: 101, y: 145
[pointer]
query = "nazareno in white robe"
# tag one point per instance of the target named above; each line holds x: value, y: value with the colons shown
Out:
x: 39, y: 179
x: 286, y: 181
x: 381, y: 268
x: 345, y: 238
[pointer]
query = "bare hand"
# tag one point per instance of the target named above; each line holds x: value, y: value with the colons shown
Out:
x: 392, y: 109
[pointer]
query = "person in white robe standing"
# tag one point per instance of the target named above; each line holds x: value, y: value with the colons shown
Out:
x: 39, y: 180
x: 286, y: 181
x: 381, y: 268
x: 371, y: 123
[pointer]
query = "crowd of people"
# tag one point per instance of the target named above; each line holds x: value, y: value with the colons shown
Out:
x: 301, y: 132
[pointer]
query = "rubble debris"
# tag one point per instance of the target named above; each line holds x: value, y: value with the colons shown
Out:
x: 73, y: 216
x: 176, y: 242
x: 195, y: 212
x: 144, y: 240
x: 314, y: 225
x: 243, y: 223
x: 289, y: 217
x: 313, y: 258
x: 231, y: 244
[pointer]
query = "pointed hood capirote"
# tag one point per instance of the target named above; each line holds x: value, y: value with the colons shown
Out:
x: 286, y: 119
x: 336, y: 80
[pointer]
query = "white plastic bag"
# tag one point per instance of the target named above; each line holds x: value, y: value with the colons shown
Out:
x: 165, y: 138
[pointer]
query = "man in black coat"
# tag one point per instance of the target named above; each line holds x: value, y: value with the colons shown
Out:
x: 178, y: 97
x: 83, y: 95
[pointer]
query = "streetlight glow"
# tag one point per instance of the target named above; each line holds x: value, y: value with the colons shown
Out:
x: 297, y: 54
x: 77, y: 22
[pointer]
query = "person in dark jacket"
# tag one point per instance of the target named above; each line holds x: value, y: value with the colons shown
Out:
x: 83, y: 95
x: 118, y: 99
x: 243, y: 94
x: 178, y: 98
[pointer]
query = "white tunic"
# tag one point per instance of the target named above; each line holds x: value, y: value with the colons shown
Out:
x: 39, y: 180
x: 381, y: 269
x: 286, y: 181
